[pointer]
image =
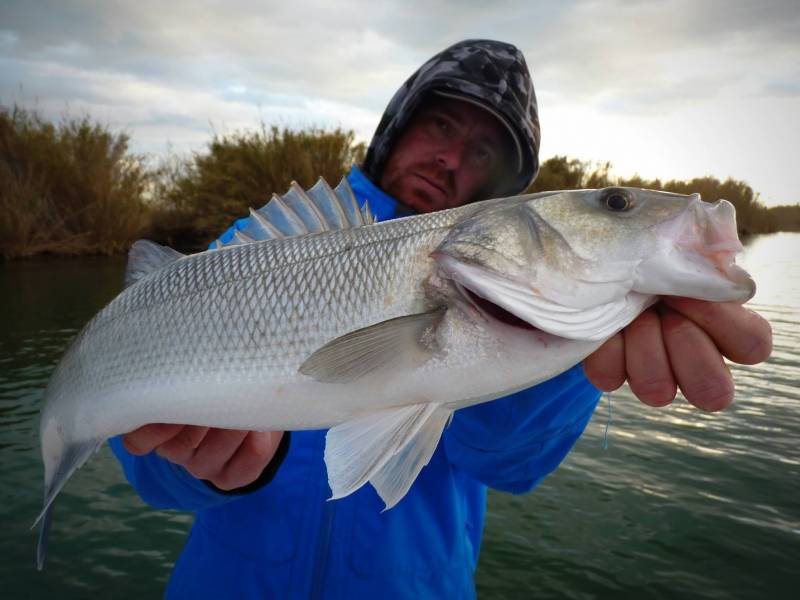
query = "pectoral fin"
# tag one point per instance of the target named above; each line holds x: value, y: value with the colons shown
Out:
x: 401, y: 342
x: 388, y: 448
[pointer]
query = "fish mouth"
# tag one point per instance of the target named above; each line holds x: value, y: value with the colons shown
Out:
x: 492, y: 311
x: 703, y: 262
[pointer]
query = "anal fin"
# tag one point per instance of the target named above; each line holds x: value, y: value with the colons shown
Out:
x: 388, y: 448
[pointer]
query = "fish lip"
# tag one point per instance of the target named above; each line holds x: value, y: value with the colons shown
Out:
x: 705, y: 235
x: 725, y: 264
x: 466, y: 294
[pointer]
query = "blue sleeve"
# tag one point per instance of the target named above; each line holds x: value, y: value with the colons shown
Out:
x: 512, y: 443
x: 163, y: 484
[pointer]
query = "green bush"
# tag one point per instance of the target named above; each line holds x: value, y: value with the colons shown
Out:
x: 70, y: 188
x: 208, y: 191
x: 562, y: 173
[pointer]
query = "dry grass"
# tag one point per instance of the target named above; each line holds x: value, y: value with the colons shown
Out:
x: 73, y: 187
x: 70, y: 188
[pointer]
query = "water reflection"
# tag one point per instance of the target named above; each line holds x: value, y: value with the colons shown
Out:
x: 682, y: 504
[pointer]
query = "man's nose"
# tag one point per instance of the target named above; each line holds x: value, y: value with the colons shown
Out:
x: 449, y: 156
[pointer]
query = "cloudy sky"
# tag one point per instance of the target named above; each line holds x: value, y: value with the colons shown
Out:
x: 665, y: 88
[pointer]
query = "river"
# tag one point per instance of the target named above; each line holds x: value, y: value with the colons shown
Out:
x: 651, y: 503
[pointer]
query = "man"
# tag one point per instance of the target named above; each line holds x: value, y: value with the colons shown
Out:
x: 464, y: 127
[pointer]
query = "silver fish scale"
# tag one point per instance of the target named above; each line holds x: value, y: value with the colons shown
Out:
x: 254, y: 312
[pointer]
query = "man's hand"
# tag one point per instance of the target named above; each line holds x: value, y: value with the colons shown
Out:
x: 228, y: 458
x: 679, y: 343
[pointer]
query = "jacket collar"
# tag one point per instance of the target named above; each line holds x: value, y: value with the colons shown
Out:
x: 382, y: 205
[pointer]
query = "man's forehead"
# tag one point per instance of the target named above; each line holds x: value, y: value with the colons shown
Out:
x: 464, y: 112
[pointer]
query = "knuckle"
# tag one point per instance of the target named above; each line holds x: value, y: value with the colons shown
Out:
x: 759, y: 351
x: 230, y: 480
x: 607, y: 383
x: 131, y: 443
x: 181, y: 446
x: 260, y: 448
x: 224, y: 482
x: 604, y: 379
x: 711, y: 394
x: 679, y: 329
x: 201, y: 471
x: 657, y: 391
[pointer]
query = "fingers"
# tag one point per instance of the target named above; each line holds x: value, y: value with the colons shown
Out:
x: 181, y: 447
x: 697, y: 364
x: 211, y: 455
x: 250, y: 459
x: 740, y: 334
x: 605, y: 367
x: 228, y: 458
x: 149, y: 437
x: 646, y: 361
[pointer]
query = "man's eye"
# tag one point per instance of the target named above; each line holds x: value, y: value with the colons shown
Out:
x: 482, y: 156
x: 441, y: 125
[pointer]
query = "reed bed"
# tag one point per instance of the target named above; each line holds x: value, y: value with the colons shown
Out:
x: 67, y: 188
x: 75, y: 188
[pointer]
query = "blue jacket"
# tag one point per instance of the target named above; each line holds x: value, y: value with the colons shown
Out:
x: 285, y: 540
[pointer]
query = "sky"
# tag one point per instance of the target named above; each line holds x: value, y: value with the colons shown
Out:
x: 662, y: 88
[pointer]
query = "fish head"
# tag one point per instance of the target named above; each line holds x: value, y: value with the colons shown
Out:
x: 552, y: 258
x: 653, y: 242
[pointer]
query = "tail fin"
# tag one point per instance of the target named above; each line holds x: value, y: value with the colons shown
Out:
x: 73, y: 456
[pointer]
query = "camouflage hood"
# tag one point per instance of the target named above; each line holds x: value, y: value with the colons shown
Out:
x: 485, y: 72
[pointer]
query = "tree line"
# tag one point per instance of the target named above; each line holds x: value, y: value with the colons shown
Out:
x: 74, y: 187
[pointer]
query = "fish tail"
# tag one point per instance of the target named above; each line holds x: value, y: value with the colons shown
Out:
x: 70, y: 460
x: 44, y: 536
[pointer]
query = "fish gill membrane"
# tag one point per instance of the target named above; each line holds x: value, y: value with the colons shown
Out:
x: 313, y: 316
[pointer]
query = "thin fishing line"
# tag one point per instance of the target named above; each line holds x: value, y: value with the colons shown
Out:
x: 608, y: 422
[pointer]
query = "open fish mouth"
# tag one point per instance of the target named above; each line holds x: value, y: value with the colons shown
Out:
x: 492, y: 311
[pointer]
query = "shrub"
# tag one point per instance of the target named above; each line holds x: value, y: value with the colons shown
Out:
x: 70, y: 188
x: 210, y: 190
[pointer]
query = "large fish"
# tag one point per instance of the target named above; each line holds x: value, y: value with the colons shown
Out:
x: 378, y: 331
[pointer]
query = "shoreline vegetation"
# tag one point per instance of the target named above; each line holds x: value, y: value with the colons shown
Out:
x: 74, y: 188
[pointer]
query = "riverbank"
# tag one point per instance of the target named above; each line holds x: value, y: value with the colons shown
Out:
x: 74, y: 188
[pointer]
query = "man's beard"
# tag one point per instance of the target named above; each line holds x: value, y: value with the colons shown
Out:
x: 443, y: 178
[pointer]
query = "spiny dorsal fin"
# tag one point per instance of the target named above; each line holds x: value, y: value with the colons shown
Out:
x: 300, y: 212
x: 145, y: 257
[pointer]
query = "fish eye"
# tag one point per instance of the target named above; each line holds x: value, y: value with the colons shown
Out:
x: 617, y: 201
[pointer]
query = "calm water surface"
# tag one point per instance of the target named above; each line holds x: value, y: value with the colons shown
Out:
x: 681, y: 504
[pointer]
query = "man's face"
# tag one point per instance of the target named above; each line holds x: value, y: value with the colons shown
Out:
x: 450, y: 153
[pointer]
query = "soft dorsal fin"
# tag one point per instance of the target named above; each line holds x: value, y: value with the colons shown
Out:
x: 300, y: 212
x: 145, y: 257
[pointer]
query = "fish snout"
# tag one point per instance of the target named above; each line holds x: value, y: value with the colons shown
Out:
x: 719, y: 233
x: 698, y: 258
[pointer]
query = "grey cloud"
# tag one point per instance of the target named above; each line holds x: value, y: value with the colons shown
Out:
x: 650, y: 50
x: 620, y: 55
x: 783, y: 88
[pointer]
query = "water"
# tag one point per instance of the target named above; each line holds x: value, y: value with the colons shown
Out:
x: 681, y: 504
